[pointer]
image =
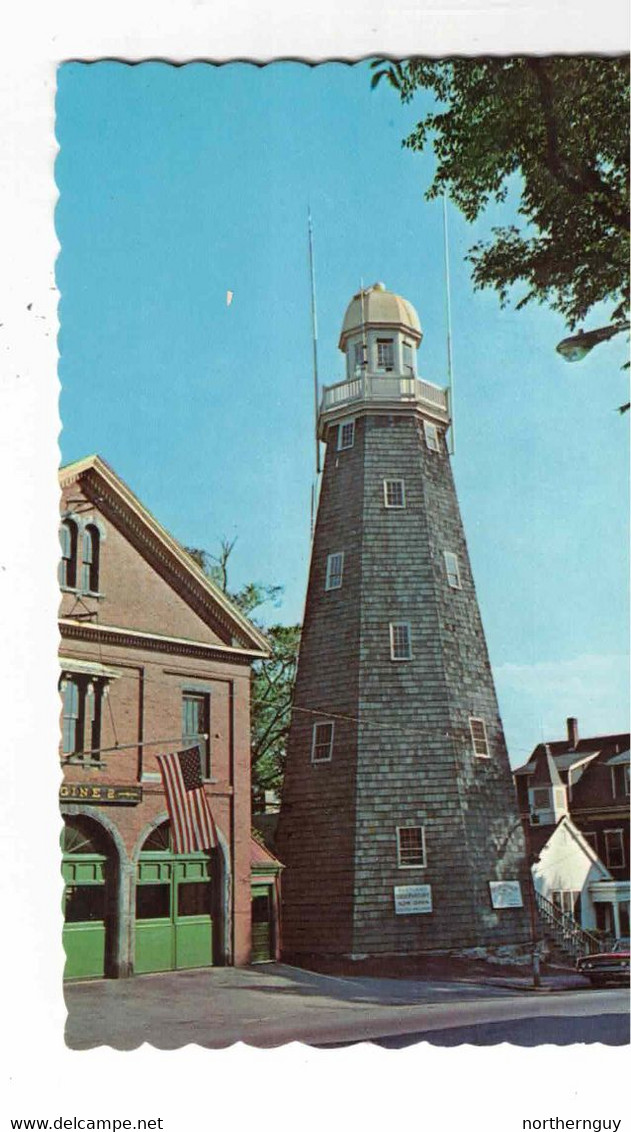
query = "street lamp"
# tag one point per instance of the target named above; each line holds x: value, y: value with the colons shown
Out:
x: 575, y: 348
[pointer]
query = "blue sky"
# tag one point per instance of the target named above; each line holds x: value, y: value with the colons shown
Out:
x: 180, y: 183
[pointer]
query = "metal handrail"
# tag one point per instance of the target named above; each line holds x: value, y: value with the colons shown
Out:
x: 564, y: 929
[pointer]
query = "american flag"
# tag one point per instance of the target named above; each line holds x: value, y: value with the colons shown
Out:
x: 191, y: 820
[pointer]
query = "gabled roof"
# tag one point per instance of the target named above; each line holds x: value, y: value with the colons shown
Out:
x: 96, y: 472
x: 582, y: 843
x: 566, y: 756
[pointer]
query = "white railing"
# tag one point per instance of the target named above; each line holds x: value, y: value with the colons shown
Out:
x: 383, y: 387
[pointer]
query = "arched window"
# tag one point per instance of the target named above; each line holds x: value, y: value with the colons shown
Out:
x: 90, y: 564
x: 69, y: 539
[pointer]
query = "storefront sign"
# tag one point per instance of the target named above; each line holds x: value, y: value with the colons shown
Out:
x: 412, y: 899
x: 506, y: 894
x: 100, y: 795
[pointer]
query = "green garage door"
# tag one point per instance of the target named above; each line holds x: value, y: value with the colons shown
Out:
x: 173, y: 907
x: 84, y: 869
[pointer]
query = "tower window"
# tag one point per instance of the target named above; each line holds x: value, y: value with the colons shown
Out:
x: 394, y: 493
x: 614, y: 848
x: 480, y: 741
x: 196, y: 726
x: 453, y: 570
x: 411, y: 847
x: 408, y: 358
x: 400, y: 640
x: 431, y: 436
x: 68, y: 535
x: 359, y: 353
x: 90, y: 563
x: 334, y: 571
x: 322, y: 743
x: 81, y: 714
x: 385, y: 354
x: 345, y: 435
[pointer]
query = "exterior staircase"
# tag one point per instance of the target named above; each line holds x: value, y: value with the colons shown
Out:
x: 563, y: 931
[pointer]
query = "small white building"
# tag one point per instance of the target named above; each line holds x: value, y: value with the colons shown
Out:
x: 569, y: 874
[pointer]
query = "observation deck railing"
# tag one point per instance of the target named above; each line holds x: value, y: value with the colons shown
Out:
x: 385, y: 387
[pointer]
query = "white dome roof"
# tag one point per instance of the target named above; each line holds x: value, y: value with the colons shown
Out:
x: 374, y: 306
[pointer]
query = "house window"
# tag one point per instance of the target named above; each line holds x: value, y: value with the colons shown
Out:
x: 540, y: 796
x: 614, y: 848
x: 385, y: 354
x: 400, y: 640
x: 345, y: 435
x: 591, y: 839
x: 394, y: 493
x: 196, y: 726
x: 81, y: 714
x: 90, y: 564
x: 322, y: 743
x: 69, y: 542
x: 431, y: 436
x: 452, y: 568
x: 411, y: 847
x: 480, y: 741
x: 620, y: 781
x: 334, y: 571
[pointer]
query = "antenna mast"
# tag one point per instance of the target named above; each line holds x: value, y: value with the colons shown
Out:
x: 450, y: 370
x: 314, y: 324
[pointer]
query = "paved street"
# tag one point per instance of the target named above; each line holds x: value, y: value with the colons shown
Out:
x: 272, y: 1004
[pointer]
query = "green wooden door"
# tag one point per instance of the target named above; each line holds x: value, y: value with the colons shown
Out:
x: 262, y: 938
x: 84, y: 870
x: 173, y: 908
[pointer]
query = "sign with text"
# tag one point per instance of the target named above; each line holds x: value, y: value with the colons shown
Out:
x: 506, y: 894
x: 100, y: 795
x: 412, y: 899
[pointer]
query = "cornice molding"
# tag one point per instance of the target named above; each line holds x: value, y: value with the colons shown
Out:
x: 132, y: 638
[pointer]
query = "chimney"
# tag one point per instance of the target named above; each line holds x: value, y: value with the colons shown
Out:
x: 572, y: 732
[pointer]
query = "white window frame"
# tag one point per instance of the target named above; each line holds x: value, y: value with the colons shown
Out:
x: 394, y: 625
x: 486, y: 754
x: 405, y: 864
x: 386, y: 485
x: 620, y: 835
x: 342, y: 446
x: 385, y: 345
x: 333, y: 580
x: 546, y: 804
x: 432, y: 439
x: 325, y: 758
x: 449, y: 556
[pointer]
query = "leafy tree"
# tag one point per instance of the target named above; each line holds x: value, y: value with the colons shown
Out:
x: 556, y: 129
x: 272, y: 679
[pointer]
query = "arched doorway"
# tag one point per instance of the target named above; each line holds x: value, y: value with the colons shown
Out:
x: 174, y: 906
x: 90, y: 898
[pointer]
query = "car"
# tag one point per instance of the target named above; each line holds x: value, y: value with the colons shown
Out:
x: 606, y: 966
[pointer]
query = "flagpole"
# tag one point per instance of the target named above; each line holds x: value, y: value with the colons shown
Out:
x: 450, y: 368
x: 314, y: 324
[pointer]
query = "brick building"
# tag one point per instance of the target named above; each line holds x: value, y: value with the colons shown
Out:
x: 573, y: 797
x: 153, y: 657
x: 399, y: 826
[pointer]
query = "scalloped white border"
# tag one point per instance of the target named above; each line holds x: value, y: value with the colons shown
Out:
x: 295, y: 1086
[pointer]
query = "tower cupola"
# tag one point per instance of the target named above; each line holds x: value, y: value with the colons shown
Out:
x: 380, y: 334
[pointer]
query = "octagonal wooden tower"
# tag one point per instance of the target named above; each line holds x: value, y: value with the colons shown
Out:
x: 399, y: 826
